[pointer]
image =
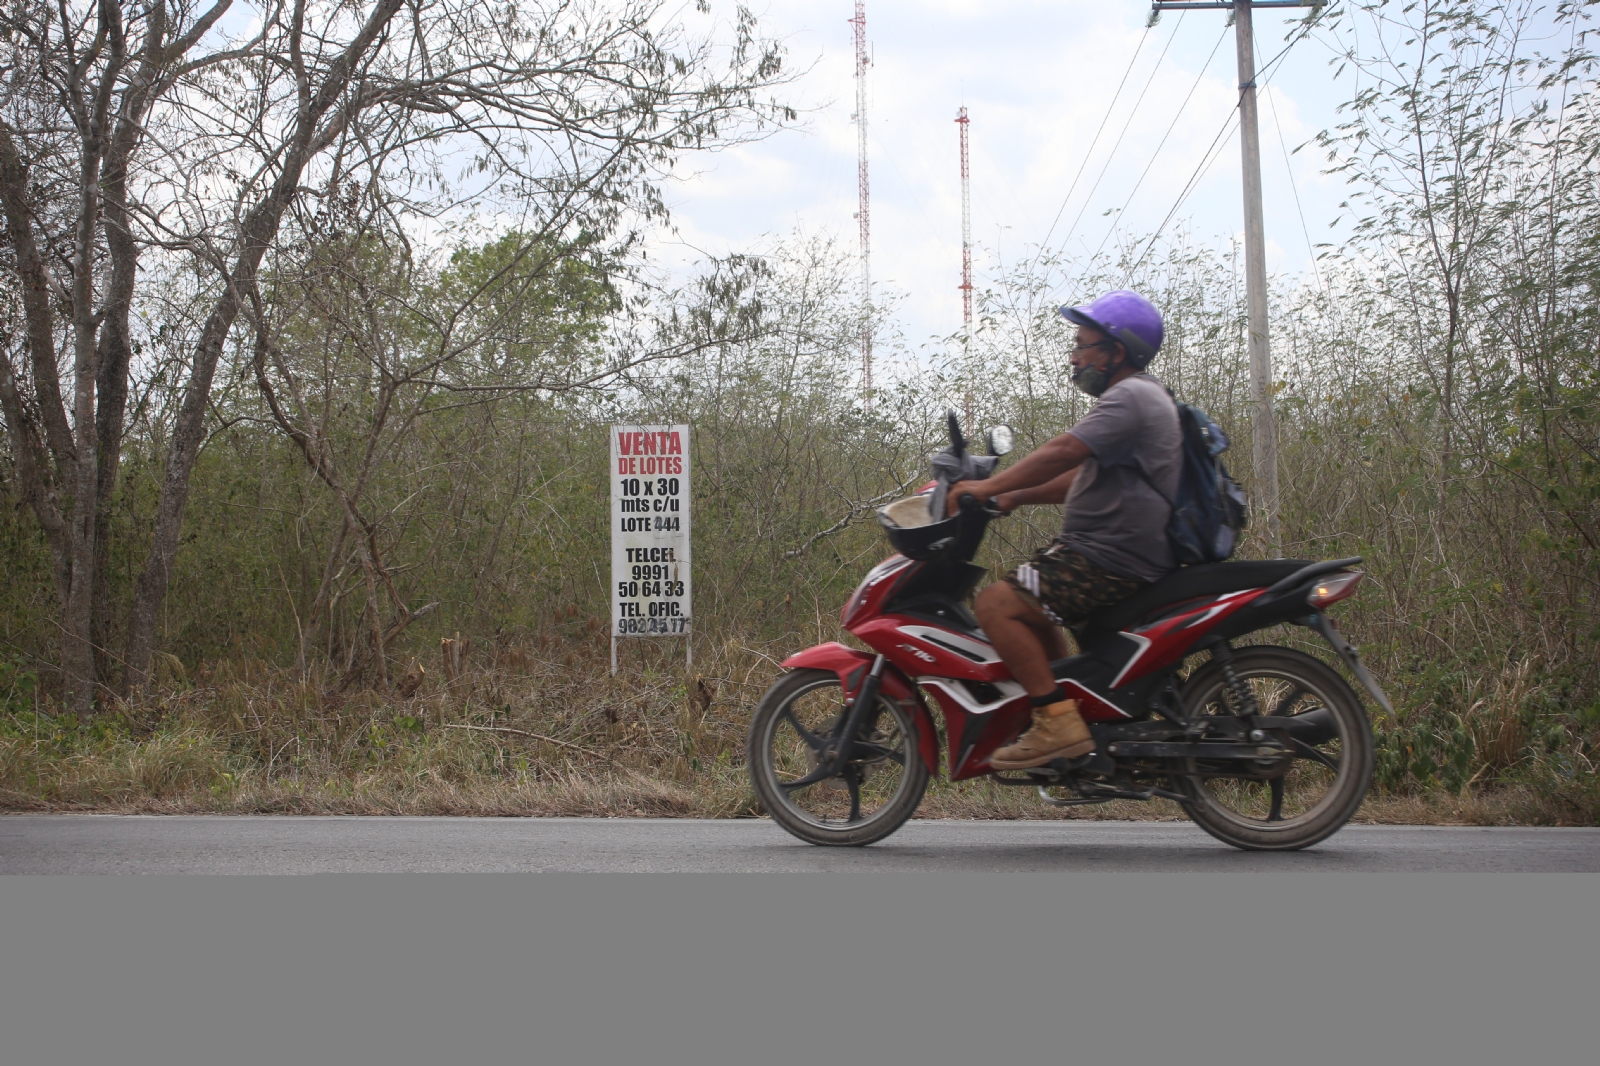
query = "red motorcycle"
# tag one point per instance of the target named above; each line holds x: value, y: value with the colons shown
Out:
x: 1264, y: 747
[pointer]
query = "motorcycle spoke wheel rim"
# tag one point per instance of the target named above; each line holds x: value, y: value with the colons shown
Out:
x: 1302, y: 792
x: 869, y: 786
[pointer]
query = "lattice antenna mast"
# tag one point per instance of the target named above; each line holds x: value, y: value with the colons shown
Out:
x: 864, y: 214
x: 966, y: 229
x: 966, y: 260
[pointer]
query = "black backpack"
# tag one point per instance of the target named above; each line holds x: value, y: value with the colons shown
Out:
x: 1210, y: 509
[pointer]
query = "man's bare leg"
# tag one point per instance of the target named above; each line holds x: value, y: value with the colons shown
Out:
x: 1027, y: 641
x: 1023, y: 636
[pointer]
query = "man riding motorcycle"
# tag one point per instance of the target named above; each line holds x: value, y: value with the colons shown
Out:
x: 1117, y: 471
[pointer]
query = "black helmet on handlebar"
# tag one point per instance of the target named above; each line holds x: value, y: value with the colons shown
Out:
x: 912, y: 530
x: 916, y: 525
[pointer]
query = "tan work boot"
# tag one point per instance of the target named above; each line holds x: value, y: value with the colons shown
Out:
x: 1058, y: 732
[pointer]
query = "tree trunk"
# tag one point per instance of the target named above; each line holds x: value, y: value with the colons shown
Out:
x: 116, y: 335
x: 116, y: 349
x: 259, y: 229
x: 187, y: 436
x: 39, y: 434
x: 38, y: 309
x: 90, y: 105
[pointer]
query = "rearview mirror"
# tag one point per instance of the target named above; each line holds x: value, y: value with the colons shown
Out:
x: 1000, y: 441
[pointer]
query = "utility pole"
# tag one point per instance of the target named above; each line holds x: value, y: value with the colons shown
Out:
x: 966, y: 258
x: 864, y: 191
x: 1264, y: 429
x: 1264, y: 432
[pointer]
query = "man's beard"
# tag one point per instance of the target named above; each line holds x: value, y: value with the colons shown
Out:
x: 1093, y: 380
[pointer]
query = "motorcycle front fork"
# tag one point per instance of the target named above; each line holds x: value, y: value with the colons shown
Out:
x: 840, y: 744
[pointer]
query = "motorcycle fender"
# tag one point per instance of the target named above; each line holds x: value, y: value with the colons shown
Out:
x: 1352, y: 658
x: 852, y: 666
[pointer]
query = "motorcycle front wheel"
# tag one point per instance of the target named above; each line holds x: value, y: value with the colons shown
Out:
x: 1296, y: 801
x: 871, y: 796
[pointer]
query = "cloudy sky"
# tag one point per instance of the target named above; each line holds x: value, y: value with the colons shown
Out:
x: 1037, y: 78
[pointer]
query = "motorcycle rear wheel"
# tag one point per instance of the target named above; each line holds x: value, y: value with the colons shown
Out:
x: 869, y: 799
x: 1311, y: 799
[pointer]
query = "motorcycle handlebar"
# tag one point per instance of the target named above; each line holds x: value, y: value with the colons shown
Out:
x: 969, y: 503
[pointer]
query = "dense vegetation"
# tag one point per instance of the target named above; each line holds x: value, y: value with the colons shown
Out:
x: 406, y: 448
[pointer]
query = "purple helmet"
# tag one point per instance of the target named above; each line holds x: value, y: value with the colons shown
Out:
x: 1125, y: 316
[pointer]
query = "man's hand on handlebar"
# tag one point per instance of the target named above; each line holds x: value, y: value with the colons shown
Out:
x: 1044, y: 476
x: 977, y: 489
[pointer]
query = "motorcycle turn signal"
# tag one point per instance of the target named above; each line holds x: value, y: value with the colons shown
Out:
x: 1334, y: 589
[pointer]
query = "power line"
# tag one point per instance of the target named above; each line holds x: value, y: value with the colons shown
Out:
x: 1266, y: 68
x: 1212, y: 152
x: 1096, y: 140
x: 1304, y: 229
x: 1210, y: 156
x: 1163, y: 143
x: 1112, y: 154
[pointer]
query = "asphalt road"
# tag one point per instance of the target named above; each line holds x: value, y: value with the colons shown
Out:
x: 49, y: 844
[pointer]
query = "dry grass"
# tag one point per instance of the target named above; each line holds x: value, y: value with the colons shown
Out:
x: 541, y: 731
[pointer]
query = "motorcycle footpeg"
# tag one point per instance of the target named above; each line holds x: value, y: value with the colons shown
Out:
x: 1096, y: 762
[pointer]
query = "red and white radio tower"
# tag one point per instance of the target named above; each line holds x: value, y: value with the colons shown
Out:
x: 864, y: 214
x: 966, y: 255
x: 966, y: 229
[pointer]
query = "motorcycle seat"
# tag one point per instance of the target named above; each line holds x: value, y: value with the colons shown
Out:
x: 1187, y: 583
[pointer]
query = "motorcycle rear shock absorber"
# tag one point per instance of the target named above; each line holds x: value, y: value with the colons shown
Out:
x: 1244, y: 700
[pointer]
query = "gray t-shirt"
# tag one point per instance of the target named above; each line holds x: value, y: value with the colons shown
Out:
x: 1114, y: 516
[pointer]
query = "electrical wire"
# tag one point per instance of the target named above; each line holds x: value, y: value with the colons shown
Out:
x: 1305, y: 230
x: 1265, y: 72
x: 1229, y: 124
x: 1263, y: 77
x: 1104, y: 119
x: 1126, y: 125
x: 1163, y: 142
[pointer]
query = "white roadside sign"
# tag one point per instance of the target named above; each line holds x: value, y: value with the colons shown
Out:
x: 650, y: 573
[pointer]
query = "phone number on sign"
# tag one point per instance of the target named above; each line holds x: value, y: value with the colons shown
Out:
x: 631, y: 589
x: 630, y: 627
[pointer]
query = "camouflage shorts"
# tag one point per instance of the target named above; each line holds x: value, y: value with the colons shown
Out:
x: 1068, y: 587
